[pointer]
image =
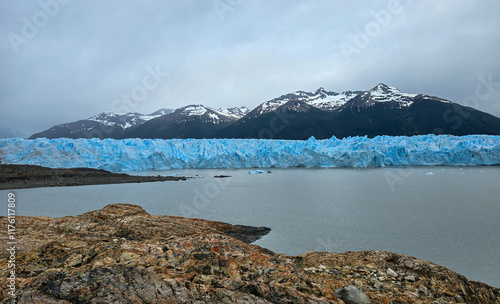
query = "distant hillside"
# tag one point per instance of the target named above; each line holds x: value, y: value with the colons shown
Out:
x: 104, y: 125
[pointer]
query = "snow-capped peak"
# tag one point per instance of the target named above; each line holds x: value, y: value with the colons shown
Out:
x: 381, y: 87
x: 194, y: 110
x: 127, y: 120
x: 385, y: 93
x: 330, y: 101
x: 237, y: 112
x: 321, y: 99
x: 205, y: 114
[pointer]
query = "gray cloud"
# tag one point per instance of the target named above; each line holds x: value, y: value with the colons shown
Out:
x: 84, y: 57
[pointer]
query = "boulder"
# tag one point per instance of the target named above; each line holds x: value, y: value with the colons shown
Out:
x: 352, y: 295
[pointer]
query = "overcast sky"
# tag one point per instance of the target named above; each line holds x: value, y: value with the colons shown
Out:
x: 64, y: 60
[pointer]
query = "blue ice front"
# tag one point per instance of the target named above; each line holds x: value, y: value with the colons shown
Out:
x: 158, y: 154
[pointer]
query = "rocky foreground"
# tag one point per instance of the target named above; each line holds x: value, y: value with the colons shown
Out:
x: 28, y: 176
x: 121, y: 254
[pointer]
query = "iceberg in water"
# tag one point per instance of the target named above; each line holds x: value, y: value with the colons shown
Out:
x: 259, y: 172
x: 159, y: 154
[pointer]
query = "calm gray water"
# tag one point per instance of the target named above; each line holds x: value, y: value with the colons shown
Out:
x: 450, y: 217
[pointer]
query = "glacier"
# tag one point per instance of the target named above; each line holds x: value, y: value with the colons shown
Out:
x: 158, y: 154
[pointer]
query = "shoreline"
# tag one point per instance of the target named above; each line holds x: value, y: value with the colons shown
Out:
x: 32, y: 176
x: 84, y: 258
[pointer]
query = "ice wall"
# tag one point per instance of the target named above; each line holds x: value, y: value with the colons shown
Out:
x: 158, y: 154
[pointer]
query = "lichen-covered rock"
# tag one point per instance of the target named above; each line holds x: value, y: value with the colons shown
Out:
x: 121, y: 254
x: 409, y: 280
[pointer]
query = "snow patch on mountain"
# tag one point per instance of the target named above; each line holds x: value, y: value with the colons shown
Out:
x: 236, y: 112
x: 386, y: 94
x: 206, y: 114
x: 157, y: 154
x: 329, y: 101
x: 194, y: 110
x: 126, y: 120
x: 320, y: 99
x: 272, y: 105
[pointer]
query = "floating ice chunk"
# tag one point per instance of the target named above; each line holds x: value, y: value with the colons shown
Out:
x: 258, y: 172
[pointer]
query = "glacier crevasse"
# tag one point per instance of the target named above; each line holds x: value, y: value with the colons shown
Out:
x: 158, y: 154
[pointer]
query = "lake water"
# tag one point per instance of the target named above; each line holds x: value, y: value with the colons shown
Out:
x: 447, y: 215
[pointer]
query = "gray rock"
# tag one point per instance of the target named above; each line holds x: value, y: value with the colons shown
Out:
x: 352, y: 295
x: 378, y: 285
x: 336, y: 271
x: 423, y: 291
x: 458, y: 298
x: 410, y: 278
x: 408, y: 264
x: 391, y: 273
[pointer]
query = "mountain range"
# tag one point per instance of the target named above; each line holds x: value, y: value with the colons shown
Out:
x: 383, y: 110
x: 188, y: 121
